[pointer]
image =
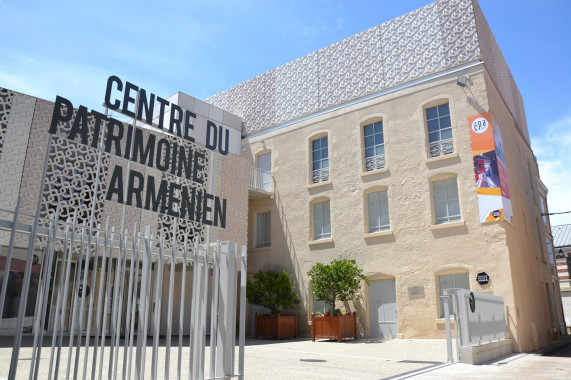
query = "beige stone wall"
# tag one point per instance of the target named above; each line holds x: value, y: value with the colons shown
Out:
x: 414, y: 252
x: 529, y: 320
x: 235, y: 190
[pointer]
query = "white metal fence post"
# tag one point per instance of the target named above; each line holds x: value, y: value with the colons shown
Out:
x: 445, y: 299
x: 215, y: 267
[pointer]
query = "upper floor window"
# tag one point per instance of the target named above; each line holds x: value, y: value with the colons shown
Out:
x: 378, y: 207
x: 374, y: 146
x: 321, y: 221
x: 446, y: 200
x: 540, y: 238
x: 264, y: 177
x: 320, y: 158
x: 263, y: 230
x: 439, y: 130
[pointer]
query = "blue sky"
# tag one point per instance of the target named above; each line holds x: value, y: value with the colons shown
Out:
x: 69, y: 48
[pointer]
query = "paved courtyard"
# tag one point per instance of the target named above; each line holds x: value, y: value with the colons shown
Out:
x: 423, y: 359
x: 362, y: 359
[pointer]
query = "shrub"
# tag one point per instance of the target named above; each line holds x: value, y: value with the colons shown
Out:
x: 339, y: 280
x: 273, y: 290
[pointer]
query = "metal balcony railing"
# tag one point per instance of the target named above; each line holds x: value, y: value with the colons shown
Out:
x: 320, y: 175
x: 260, y: 179
x: 440, y: 148
x: 375, y: 162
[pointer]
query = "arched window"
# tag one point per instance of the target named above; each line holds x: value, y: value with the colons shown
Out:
x: 439, y: 128
x: 446, y: 199
x: 319, y: 146
x: 321, y: 219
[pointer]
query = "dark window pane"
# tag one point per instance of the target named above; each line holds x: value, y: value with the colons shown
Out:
x: 369, y: 130
x: 433, y: 125
x: 443, y: 110
x: 369, y: 141
x: 324, y: 142
x: 445, y: 122
x: 431, y: 113
x: 432, y: 137
x: 379, y: 127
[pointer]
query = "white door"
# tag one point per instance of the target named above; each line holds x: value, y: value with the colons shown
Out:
x: 265, y: 167
x: 383, y: 309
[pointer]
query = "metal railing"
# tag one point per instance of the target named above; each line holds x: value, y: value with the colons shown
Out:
x: 478, y: 317
x: 375, y: 162
x: 440, y: 148
x: 260, y: 179
x: 320, y: 175
x: 111, y: 306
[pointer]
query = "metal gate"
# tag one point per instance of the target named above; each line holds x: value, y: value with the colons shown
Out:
x: 99, y: 308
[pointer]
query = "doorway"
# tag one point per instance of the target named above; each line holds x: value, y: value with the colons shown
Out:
x: 383, y: 309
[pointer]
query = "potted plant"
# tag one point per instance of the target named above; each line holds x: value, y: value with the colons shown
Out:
x: 339, y: 280
x: 275, y: 291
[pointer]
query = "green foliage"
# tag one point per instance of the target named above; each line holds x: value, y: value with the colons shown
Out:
x: 339, y: 280
x: 273, y: 290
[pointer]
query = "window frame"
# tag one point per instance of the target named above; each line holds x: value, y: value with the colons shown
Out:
x: 450, y: 272
x: 368, y: 193
x: 442, y: 147
x: 266, y: 231
x: 263, y: 180
x: 321, y: 236
x: 375, y: 161
x: 324, y: 176
x: 448, y: 218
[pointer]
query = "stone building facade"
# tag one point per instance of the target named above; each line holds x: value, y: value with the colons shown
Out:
x: 372, y: 157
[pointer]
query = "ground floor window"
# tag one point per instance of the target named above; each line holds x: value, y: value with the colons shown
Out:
x: 14, y: 292
x: 452, y: 281
x: 263, y: 230
x: 319, y: 306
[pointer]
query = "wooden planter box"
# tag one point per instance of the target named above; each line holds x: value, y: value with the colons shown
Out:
x: 337, y: 328
x: 277, y: 327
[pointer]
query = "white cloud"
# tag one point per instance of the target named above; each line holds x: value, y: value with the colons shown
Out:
x: 553, y: 152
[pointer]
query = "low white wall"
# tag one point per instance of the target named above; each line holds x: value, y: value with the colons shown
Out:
x: 480, y: 353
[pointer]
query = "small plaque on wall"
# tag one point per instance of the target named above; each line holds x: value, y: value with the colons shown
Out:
x: 416, y: 291
x: 483, y: 278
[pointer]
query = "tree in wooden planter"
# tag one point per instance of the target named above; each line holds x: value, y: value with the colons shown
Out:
x: 339, y: 280
x: 275, y: 291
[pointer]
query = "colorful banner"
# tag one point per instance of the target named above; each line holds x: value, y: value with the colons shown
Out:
x: 490, y: 169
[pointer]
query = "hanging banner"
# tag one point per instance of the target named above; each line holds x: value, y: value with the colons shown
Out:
x: 490, y: 171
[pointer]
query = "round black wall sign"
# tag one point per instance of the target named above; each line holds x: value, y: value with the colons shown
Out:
x: 81, y: 290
